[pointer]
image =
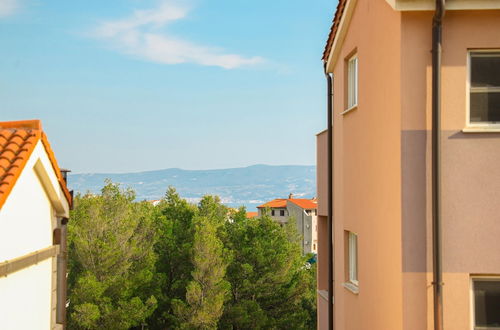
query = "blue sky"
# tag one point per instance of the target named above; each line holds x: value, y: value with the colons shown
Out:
x: 134, y: 85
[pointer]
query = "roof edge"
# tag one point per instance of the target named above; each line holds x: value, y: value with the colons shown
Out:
x: 56, y: 168
x: 23, y: 124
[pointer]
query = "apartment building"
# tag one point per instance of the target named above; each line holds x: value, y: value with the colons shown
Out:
x: 302, y: 211
x: 34, y: 210
x: 408, y: 168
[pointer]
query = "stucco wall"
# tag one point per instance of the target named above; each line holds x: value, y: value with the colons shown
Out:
x: 470, y: 175
x: 25, y: 299
x: 306, y: 226
x: 322, y: 172
x: 27, y: 220
x: 382, y: 170
x: 367, y: 171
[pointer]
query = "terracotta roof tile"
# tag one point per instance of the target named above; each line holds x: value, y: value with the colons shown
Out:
x: 17, y: 142
x: 333, y: 30
x: 281, y: 203
x: 274, y: 203
x: 251, y: 215
x: 305, y: 203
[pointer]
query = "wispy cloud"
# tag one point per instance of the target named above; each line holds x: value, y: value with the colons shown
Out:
x: 8, y: 7
x: 139, y: 35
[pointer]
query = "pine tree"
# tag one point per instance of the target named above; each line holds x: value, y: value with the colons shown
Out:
x: 111, y: 255
x: 207, y: 291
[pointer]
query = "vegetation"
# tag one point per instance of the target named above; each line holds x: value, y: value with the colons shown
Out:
x: 183, y: 266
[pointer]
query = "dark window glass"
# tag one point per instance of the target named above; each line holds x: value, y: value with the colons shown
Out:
x: 485, y: 88
x: 487, y: 303
x: 282, y: 213
x: 485, y: 107
x: 485, y: 69
x: 272, y: 213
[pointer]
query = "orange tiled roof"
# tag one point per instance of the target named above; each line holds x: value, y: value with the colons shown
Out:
x: 281, y: 203
x: 17, y: 142
x: 333, y: 30
x: 305, y: 203
x: 274, y: 203
x: 251, y: 215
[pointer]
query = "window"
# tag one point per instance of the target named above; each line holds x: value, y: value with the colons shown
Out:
x: 282, y: 213
x: 308, y: 212
x: 272, y: 213
x: 352, y: 82
x: 353, y: 258
x: 484, y: 88
x: 486, y: 302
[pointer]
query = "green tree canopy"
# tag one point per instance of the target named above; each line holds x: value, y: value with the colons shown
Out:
x: 112, y: 260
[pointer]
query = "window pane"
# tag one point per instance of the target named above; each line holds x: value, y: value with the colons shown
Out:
x: 352, y: 82
x: 485, y: 69
x: 487, y: 303
x: 353, y: 257
x: 484, y: 107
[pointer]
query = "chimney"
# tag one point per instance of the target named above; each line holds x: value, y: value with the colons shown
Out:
x: 290, y: 196
x: 64, y: 174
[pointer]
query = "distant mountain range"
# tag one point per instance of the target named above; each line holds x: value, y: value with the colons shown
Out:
x: 248, y: 186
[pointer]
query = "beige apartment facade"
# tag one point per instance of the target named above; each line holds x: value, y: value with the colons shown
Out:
x: 379, y: 55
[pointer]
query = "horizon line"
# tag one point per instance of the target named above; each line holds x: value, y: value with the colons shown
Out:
x: 192, y: 170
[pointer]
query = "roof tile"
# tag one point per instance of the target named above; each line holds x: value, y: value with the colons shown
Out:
x: 17, y: 141
x: 281, y: 203
x: 333, y: 30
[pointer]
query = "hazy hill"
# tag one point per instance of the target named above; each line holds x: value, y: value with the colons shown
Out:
x: 249, y: 186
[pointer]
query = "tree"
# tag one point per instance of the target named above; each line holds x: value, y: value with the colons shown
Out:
x: 174, y: 249
x: 111, y: 240
x: 269, y: 282
x: 206, y: 292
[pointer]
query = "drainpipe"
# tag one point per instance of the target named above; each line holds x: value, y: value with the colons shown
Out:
x: 331, y: 269
x: 436, y: 164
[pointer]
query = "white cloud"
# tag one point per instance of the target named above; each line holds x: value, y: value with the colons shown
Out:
x: 139, y: 36
x: 8, y: 7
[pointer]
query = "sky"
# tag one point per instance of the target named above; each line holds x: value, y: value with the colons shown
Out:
x: 137, y: 85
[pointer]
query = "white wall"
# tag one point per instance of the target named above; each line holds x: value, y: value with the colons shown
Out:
x: 27, y: 220
x: 25, y: 298
x: 26, y: 217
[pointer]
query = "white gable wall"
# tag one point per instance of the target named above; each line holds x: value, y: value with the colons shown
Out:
x: 26, y: 218
x: 27, y: 221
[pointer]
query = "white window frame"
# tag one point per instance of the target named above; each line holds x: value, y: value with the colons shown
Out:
x: 472, y: 296
x: 352, y: 82
x: 477, y: 127
x: 352, y: 254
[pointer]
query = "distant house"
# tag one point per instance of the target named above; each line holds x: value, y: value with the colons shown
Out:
x: 304, y: 211
x: 251, y: 215
x: 34, y: 210
x: 154, y: 202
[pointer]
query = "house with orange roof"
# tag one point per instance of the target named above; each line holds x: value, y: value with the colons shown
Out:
x: 251, y: 215
x: 303, y: 211
x: 34, y: 211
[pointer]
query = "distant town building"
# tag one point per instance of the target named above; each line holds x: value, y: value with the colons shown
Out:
x: 34, y: 210
x: 251, y: 215
x: 303, y: 211
x: 154, y: 202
